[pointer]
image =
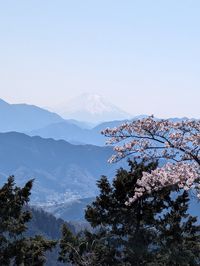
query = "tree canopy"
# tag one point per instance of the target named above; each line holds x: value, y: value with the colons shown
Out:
x: 15, y: 247
x: 156, y: 229
x: 175, y: 142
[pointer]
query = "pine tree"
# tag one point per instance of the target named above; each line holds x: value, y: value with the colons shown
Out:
x: 87, y: 248
x: 119, y: 226
x: 155, y: 230
x: 15, y: 248
x: 178, y: 234
x: 130, y: 225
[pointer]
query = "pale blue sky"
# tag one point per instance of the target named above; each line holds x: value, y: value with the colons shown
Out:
x: 142, y: 55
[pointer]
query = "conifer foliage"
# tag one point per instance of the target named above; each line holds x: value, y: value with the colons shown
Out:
x: 156, y: 229
x: 178, y: 238
x: 127, y: 225
x: 15, y: 248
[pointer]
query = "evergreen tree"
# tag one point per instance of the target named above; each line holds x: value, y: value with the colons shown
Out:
x: 178, y: 235
x: 15, y: 248
x: 120, y: 226
x: 131, y: 226
x: 87, y: 248
x: 155, y: 229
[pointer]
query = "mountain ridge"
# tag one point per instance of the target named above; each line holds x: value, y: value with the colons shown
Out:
x: 24, y: 117
x: 91, y: 108
x: 62, y: 171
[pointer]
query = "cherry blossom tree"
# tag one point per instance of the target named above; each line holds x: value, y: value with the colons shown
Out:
x: 177, y: 142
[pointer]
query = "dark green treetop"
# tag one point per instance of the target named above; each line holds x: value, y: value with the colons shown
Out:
x: 15, y: 247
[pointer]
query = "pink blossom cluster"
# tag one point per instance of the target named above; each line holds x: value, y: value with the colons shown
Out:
x: 184, y: 175
x: 149, y: 138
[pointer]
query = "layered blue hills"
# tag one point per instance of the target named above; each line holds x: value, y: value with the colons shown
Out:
x: 65, y: 157
x: 24, y: 117
x: 35, y: 121
x: 74, y: 134
x: 62, y: 171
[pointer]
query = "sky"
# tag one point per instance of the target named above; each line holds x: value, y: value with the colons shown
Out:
x: 143, y: 56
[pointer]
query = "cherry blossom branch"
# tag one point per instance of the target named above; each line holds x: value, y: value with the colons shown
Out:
x: 149, y: 138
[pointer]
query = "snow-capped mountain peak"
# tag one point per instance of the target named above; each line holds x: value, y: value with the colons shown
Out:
x: 92, y: 108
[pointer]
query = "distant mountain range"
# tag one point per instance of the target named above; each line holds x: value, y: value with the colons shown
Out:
x: 60, y: 154
x: 92, y: 108
x: 24, y: 117
x: 65, y: 174
x: 70, y: 211
x: 35, y: 121
x: 75, y: 134
x: 62, y: 171
x: 78, y: 135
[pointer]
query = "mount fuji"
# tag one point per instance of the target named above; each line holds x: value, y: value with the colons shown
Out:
x: 92, y: 108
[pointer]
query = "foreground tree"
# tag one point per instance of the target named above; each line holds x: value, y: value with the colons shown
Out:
x: 88, y: 249
x: 126, y: 224
x: 136, y: 234
x: 178, y: 238
x: 176, y: 142
x: 15, y: 248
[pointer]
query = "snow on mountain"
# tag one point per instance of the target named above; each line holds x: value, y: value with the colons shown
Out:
x: 91, y: 108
